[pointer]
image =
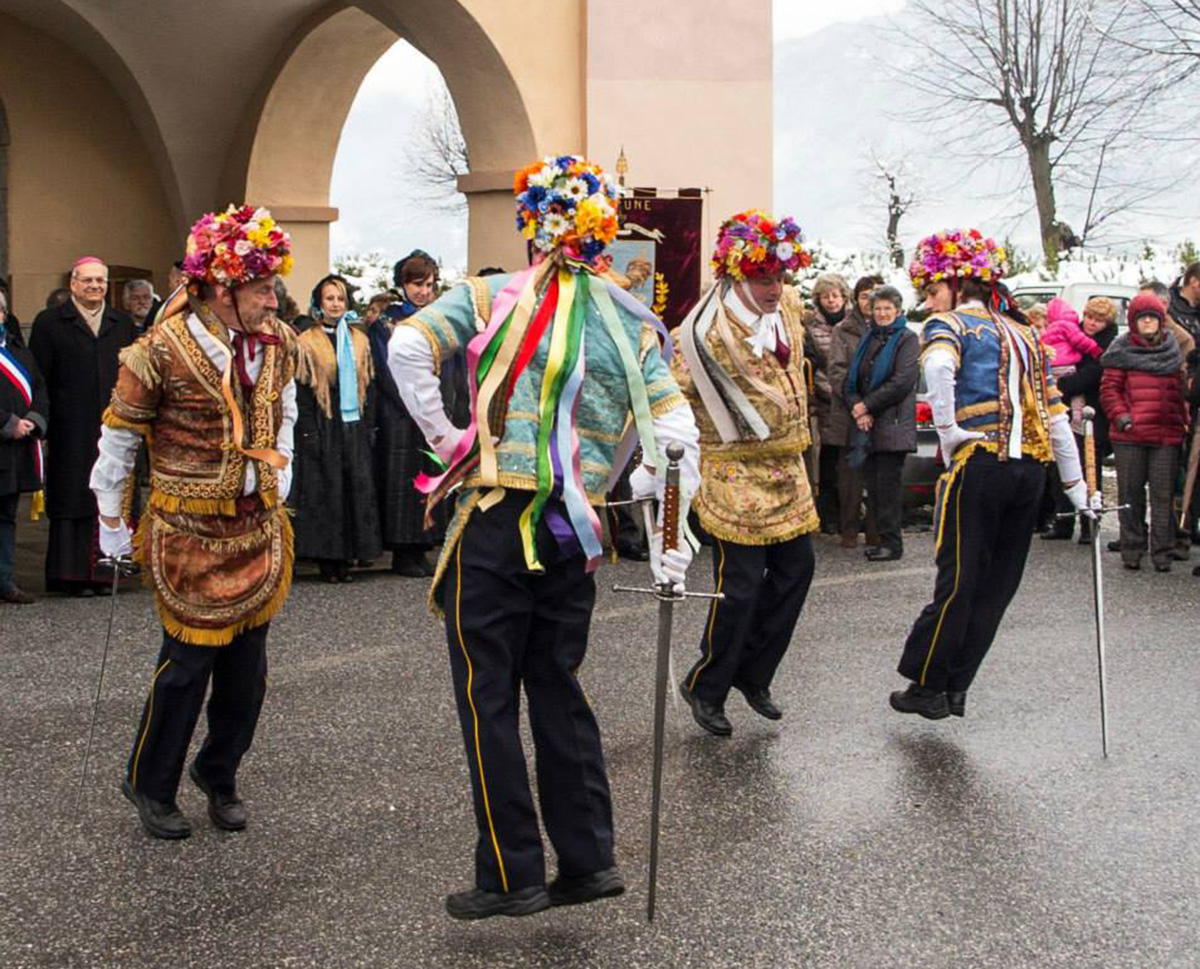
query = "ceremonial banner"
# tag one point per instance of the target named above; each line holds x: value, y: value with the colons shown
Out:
x: 659, y: 252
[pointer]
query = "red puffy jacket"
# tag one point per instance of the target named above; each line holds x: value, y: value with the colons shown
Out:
x: 1154, y: 401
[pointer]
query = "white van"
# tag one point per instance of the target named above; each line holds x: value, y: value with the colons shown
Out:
x: 1077, y: 294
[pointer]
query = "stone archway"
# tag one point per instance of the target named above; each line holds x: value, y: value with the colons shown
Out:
x: 4, y: 142
x: 286, y: 155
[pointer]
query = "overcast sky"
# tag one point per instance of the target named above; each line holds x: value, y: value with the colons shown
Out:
x: 835, y: 103
x: 378, y: 209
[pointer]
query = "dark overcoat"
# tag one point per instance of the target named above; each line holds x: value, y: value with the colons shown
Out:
x: 80, y: 370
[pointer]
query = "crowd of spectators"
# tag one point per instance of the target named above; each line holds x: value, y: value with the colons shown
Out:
x: 354, y: 443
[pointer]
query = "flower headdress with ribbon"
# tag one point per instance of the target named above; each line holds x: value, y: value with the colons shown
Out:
x: 567, y: 208
x: 751, y: 244
x: 236, y: 246
x: 566, y: 202
x: 955, y: 254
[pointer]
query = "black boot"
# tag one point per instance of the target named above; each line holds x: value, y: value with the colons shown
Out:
x: 760, y: 701
x: 159, y: 818
x: 956, y: 700
x: 475, y: 903
x: 930, y: 704
x: 710, y: 716
x: 586, y: 888
x: 226, y: 811
x: 409, y: 563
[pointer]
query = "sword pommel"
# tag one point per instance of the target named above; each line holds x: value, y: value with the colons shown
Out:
x: 671, y: 498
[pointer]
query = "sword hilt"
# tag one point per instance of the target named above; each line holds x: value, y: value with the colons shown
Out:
x: 1089, y: 450
x: 671, y: 498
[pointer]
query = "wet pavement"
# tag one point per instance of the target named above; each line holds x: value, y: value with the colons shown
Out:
x: 844, y: 836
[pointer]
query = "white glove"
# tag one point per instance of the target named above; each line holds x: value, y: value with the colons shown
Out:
x: 669, y: 566
x: 666, y: 567
x: 953, y: 437
x: 446, y: 444
x: 1077, y: 494
x: 643, y: 483
x: 283, y: 482
x: 116, y: 543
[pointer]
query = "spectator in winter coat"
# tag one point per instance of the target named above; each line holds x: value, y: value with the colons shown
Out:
x: 24, y: 408
x: 845, y: 340
x: 881, y: 388
x: 1036, y: 315
x: 1063, y: 336
x: 1100, y: 323
x: 1185, y: 301
x: 1142, y: 393
x: 831, y: 300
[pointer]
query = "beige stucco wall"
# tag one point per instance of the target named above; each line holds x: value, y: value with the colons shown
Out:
x: 77, y: 183
x: 685, y: 88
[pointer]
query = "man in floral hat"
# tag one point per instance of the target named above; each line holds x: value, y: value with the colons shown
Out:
x: 559, y: 361
x: 210, y: 388
x: 741, y: 366
x: 1000, y: 420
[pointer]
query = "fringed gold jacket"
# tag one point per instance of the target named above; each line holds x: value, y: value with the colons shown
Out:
x: 752, y: 491
x: 218, y: 560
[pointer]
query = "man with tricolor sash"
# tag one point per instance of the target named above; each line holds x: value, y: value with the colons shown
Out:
x: 566, y: 375
x: 211, y: 389
x: 24, y: 407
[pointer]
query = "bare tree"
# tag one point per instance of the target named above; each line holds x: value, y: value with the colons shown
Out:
x: 894, y: 185
x: 437, y: 154
x: 1167, y: 28
x: 1046, y: 81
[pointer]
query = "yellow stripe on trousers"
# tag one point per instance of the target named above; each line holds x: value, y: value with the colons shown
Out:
x: 487, y: 808
x: 712, y: 616
x: 146, y: 729
x: 957, y: 479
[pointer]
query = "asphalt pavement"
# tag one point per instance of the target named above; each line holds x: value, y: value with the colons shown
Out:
x: 846, y: 835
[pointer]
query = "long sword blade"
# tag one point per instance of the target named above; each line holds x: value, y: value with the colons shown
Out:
x: 87, y: 751
x: 1098, y: 590
x: 661, y: 670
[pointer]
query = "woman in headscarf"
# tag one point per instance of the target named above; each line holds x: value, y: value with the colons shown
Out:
x: 881, y: 390
x: 400, y: 450
x: 336, y: 518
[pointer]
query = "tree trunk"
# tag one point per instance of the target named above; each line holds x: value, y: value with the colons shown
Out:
x: 1038, y: 153
x: 893, y: 231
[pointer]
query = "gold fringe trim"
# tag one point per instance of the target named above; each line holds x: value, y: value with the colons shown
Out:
x: 37, y: 505
x: 316, y: 365
x: 111, y: 419
x: 225, y: 507
x: 426, y: 331
x: 743, y: 536
x: 196, y: 636
x: 137, y: 360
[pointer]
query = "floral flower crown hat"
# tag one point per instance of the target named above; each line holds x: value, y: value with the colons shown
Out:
x: 566, y: 202
x: 955, y: 254
x: 751, y: 244
x: 236, y: 246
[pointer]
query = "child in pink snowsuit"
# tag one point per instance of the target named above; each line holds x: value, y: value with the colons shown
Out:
x: 1067, y: 344
x: 1065, y: 338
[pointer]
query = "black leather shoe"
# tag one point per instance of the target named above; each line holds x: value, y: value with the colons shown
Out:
x: 226, y: 810
x: 1114, y: 545
x: 1162, y: 566
x: 708, y: 715
x: 160, y: 820
x: 478, y: 904
x: 882, y: 554
x: 1054, y: 535
x: 635, y: 553
x: 760, y: 701
x: 956, y: 700
x: 586, y: 888
x: 1180, y: 554
x: 930, y: 704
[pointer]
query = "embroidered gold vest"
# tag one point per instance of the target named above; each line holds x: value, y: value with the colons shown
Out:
x: 755, y: 492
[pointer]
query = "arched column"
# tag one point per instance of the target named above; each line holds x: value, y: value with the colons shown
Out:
x: 4, y: 142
